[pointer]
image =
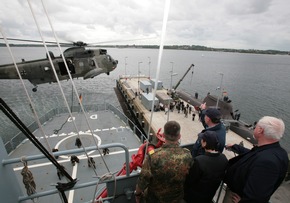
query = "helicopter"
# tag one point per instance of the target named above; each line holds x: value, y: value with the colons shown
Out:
x: 81, y: 62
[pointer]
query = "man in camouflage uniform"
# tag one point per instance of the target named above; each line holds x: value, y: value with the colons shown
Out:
x: 163, y: 172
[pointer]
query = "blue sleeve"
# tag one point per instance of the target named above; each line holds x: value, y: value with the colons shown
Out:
x: 197, y: 149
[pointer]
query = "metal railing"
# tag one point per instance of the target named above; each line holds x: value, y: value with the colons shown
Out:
x: 77, y: 186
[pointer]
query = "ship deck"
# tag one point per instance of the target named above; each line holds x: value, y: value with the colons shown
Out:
x: 189, y: 128
x: 107, y: 127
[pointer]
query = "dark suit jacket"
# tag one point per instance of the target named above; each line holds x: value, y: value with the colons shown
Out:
x: 256, y: 174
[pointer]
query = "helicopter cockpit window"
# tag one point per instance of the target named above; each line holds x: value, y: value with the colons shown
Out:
x: 109, y: 58
x: 103, y: 51
x: 93, y: 63
x: 81, y: 64
x: 46, y: 68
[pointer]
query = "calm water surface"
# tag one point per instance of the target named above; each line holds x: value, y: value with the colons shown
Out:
x: 258, y: 85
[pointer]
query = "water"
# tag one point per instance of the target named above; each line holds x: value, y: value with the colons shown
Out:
x: 257, y: 84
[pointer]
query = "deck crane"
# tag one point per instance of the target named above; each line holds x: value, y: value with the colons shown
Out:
x: 172, y: 91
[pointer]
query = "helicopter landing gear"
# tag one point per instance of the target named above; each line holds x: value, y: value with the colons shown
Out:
x: 34, y: 89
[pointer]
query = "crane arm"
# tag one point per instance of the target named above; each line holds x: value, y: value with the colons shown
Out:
x: 192, y: 65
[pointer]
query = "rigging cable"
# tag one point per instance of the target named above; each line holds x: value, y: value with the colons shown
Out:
x: 191, y: 76
x: 165, y: 19
x: 55, y: 131
x: 26, y: 92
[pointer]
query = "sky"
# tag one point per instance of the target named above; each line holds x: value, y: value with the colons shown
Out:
x: 238, y: 24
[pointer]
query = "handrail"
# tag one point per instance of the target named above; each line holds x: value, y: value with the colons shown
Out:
x: 40, y: 156
x: 55, y: 191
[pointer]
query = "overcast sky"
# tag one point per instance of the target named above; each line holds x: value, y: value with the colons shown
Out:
x: 241, y: 24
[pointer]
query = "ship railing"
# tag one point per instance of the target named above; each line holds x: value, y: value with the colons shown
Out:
x: 73, y: 151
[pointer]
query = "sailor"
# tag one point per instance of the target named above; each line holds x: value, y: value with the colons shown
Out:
x: 201, y: 114
x: 193, y: 116
x: 106, y: 151
x: 91, y: 162
x: 74, y: 159
x: 78, y: 142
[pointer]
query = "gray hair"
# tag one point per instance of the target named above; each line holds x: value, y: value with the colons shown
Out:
x: 273, y: 127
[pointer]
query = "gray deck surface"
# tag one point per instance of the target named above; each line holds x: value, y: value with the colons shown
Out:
x: 107, y: 127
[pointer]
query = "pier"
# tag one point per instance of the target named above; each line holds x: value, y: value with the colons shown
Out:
x: 131, y: 92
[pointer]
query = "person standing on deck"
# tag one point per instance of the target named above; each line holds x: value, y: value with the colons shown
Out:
x: 163, y: 173
x: 255, y: 174
x: 206, y: 173
x: 193, y: 116
x: 201, y: 114
x: 212, y: 118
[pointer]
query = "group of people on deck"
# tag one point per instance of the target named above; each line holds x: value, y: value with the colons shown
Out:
x: 173, y: 174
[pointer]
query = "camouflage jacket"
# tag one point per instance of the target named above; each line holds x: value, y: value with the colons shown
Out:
x: 163, y: 174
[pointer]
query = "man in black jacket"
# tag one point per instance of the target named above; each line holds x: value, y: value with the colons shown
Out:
x: 255, y: 174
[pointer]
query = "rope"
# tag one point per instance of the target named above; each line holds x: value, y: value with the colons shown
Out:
x: 28, y: 179
x: 55, y: 131
x: 191, y: 76
x: 102, y: 178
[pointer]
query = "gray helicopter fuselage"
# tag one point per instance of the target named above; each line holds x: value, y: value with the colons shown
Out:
x: 80, y: 62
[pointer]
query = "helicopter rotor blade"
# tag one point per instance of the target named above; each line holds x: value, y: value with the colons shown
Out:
x: 128, y: 40
x: 37, y: 41
x: 79, y: 43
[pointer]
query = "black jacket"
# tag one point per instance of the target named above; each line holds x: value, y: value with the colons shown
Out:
x: 256, y: 174
x: 204, y: 177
